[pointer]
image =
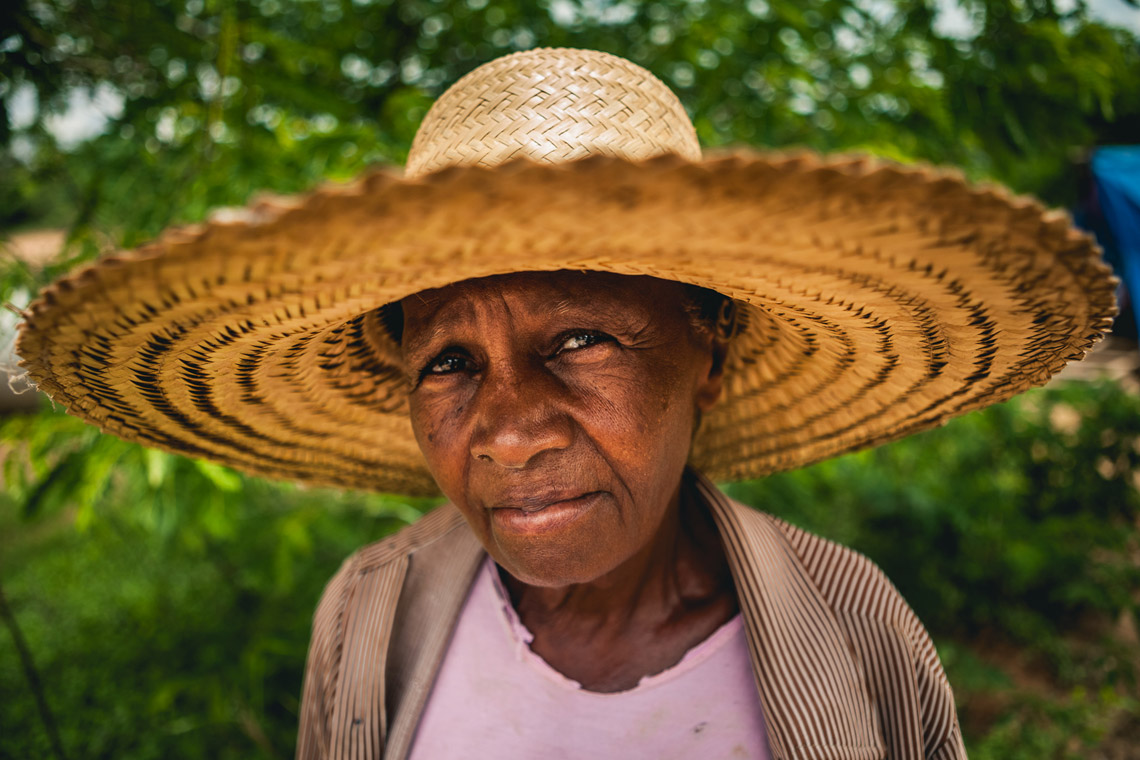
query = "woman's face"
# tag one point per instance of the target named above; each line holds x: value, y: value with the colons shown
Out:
x: 556, y: 411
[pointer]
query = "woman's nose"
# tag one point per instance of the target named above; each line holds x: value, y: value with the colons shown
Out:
x: 519, y: 419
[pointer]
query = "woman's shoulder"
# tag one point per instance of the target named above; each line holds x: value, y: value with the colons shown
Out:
x: 848, y: 581
x: 435, y: 526
x: 355, y: 623
x: 440, y: 531
x: 858, y: 594
x: 821, y: 579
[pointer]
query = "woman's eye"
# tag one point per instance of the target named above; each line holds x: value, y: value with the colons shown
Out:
x: 574, y: 341
x: 447, y: 364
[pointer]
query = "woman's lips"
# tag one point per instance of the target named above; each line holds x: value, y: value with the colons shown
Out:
x: 534, y: 516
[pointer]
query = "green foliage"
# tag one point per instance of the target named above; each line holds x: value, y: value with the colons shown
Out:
x: 1068, y: 727
x: 174, y: 621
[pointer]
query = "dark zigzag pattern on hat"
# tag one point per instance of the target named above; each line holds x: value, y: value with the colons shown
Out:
x: 917, y: 308
x: 155, y: 350
x: 919, y: 419
x: 934, y: 363
x: 200, y: 388
x: 747, y: 442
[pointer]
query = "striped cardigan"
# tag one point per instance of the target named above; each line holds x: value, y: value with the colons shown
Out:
x: 844, y: 669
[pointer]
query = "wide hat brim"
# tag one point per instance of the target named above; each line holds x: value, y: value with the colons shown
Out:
x: 876, y: 301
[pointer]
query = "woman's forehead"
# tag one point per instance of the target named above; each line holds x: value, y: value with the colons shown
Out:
x: 551, y: 293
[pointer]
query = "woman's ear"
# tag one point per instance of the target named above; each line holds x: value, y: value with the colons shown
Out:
x: 713, y: 317
x: 709, y: 387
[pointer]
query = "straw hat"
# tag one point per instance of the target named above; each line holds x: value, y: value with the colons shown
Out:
x: 875, y: 300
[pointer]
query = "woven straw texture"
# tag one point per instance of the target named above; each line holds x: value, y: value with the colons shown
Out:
x: 876, y: 300
x: 552, y: 106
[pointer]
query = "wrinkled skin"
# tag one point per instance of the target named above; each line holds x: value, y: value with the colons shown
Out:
x: 556, y: 411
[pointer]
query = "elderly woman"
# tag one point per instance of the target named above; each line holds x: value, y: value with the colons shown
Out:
x: 562, y: 348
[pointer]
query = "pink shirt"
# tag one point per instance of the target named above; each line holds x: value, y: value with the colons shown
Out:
x: 495, y: 698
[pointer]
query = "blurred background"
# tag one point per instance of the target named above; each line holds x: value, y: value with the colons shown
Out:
x: 157, y: 607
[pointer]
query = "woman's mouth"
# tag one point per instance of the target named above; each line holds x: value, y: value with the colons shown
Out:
x: 533, y: 516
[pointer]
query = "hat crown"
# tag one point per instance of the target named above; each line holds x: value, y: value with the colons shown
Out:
x: 552, y: 105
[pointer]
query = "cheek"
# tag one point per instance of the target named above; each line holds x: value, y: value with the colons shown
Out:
x: 643, y: 421
x: 436, y: 421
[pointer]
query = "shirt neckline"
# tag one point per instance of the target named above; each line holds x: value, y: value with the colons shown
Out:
x: 521, y: 638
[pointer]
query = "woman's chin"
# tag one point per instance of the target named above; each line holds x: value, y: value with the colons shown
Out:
x: 559, y: 574
x: 555, y: 564
x: 556, y: 544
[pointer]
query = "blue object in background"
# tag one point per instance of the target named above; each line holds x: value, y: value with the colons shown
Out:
x: 1116, y: 172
